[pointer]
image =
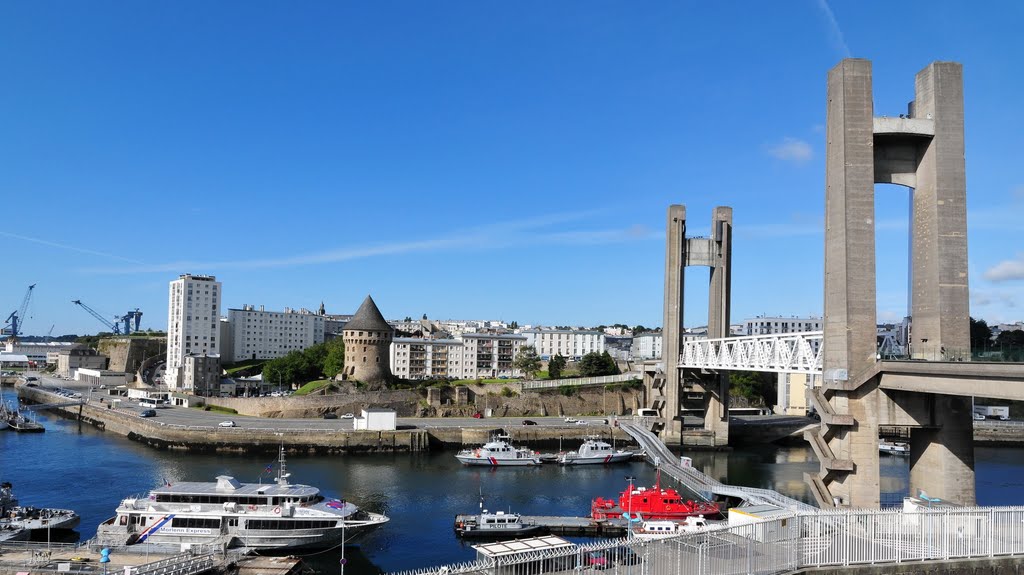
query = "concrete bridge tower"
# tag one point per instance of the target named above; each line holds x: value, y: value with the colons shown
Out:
x: 924, y: 151
x: 714, y: 252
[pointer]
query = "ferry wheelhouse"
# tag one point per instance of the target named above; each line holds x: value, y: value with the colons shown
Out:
x: 237, y: 515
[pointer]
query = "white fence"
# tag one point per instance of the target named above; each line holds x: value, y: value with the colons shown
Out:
x: 822, y: 539
x: 578, y: 381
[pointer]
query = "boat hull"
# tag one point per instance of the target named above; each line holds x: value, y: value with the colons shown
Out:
x: 524, y: 531
x: 495, y: 462
x: 598, y: 460
x: 284, y: 539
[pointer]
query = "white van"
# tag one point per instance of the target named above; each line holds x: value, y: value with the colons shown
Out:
x: 147, y: 403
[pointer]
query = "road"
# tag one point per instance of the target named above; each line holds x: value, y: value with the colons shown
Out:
x: 192, y: 417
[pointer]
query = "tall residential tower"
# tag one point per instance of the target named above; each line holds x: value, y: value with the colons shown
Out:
x: 192, y: 322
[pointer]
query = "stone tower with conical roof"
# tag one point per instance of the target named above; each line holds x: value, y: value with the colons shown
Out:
x: 367, y: 338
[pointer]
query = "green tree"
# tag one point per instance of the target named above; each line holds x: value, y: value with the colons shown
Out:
x: 527, y: 361
x: 514, y: 325
x: 981, y: 336
x: 1011, y: 344
x: 334, y: 363
x: 555, y: 366
x: 596, y: 364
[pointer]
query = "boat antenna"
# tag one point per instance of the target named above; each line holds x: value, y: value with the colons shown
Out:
x: 657, y: 483
x: 282, y: 472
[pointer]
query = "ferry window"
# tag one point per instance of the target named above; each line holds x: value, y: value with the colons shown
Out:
x: 233, y: 522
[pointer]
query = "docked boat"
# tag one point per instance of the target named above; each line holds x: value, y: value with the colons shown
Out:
x: 594, y: 452
x: 498, y: 452
x: 661, y: 529
x: 19, y: 522
x: 497, y: 525
x: 651, y: 503
x: 17, y: 421
x: 894, y: 447
x: 228, y: 513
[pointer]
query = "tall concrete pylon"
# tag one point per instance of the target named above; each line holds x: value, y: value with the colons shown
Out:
x: 922, y: 150
x: 714, y: 252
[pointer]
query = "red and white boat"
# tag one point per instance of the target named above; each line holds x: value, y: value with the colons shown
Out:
x: 651, y: 503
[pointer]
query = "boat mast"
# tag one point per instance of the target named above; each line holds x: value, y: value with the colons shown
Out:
x: 282, y: 473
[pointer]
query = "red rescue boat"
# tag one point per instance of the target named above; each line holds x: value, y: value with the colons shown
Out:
x: 651, y: 503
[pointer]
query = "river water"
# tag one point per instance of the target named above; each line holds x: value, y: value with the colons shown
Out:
x: 78, y: 467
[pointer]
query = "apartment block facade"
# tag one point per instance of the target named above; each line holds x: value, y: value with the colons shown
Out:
x: 570, y: 344
x: 193, y: 313
x: 260, y: 334
x: 470, y: 356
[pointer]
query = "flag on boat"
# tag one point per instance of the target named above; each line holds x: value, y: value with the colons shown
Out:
x: 269, y: 468
x: 336, y: 504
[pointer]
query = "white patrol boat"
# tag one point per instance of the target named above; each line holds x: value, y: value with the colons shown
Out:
x: 227, y: 513
x: 661, y: 529
x: 498, y: 452
x: 594, y: 451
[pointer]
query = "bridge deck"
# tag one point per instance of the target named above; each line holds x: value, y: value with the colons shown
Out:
x: 707, y: 487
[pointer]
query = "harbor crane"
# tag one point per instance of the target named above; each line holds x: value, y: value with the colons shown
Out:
x: 114, y: 327
x: 15, y: 321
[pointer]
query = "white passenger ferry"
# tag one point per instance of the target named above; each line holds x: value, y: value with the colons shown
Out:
x: 498, y: 452
x: 227, y: 513
x: 594, y: 451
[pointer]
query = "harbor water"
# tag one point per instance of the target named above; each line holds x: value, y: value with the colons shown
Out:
x: 78, y: 467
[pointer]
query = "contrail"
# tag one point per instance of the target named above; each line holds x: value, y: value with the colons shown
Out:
x: 71, y: 248
x: 836, y: 32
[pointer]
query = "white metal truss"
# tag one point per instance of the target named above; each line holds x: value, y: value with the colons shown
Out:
x: 777, y: 353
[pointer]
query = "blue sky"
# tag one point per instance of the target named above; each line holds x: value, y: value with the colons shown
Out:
x: 468, y: 159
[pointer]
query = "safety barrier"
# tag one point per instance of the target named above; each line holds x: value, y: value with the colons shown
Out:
x: 801, y: 541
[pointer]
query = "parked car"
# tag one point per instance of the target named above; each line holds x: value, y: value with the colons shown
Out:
x: 228, y: 423
x: 148, y: 413
x: 348, y: 416
x: 478, y: 415
x: 330, y: 415
x: 979, y: 417
x: 529, y: 422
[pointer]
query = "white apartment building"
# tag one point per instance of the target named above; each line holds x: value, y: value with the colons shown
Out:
x: 647, y: 345
x: 417, y: 358
x: 193, y: 315
x: 767, y: 325
x: 570, y: 344
x: 260, y: 334
x: 488, y: 355
x: 470, y: 356
x: 38, y: 352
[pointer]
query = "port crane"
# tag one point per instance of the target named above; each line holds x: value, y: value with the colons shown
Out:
x: 115, y: 326
x: 14, y: 322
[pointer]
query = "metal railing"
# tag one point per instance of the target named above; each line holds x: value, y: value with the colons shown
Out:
x: 800, y: 541
x: 580, y: 381
x: 779, y: 353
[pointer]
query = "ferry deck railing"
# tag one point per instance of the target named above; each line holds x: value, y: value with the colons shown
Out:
x: 782, y: 545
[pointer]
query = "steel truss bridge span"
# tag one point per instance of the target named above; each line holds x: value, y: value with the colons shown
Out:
x: 776, y: 353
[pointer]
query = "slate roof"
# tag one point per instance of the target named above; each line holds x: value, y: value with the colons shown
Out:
x: 368, y: 317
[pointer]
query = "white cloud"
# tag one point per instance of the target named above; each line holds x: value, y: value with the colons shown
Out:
x: 791, y: 150
x: 1007, y: 270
